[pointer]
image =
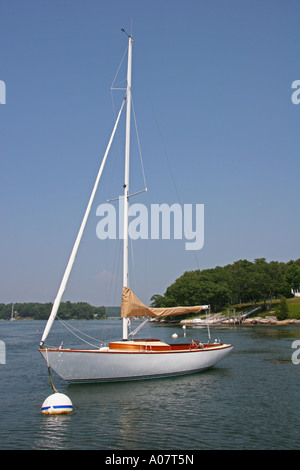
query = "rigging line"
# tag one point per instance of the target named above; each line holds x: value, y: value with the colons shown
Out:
x: 79, y: 337
x: 113, y: 83
x: 49, y: 372
x: 138, y: 328
x: 140, y: 153
x: 112, y: 88
x: 112, y: 280
x: 76, y: 329
x: 118, y: 259
x: 169, y: 165
x: 132, y: 261
x: 164, y: 149
x: 114, y: 114
x: 138, y: 142
x: 117, y: 140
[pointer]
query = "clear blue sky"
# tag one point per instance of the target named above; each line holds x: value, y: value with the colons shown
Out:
x: 212, y: 92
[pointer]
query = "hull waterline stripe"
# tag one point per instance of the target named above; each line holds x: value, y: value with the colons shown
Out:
x: 56, y: 407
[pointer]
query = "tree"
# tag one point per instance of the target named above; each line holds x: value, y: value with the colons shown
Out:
x: 158, y: 301
x: 240, y: 282
x: 197, y: 288
x: 67, y: 310
x: 283, y: 310
x: 293, y: 276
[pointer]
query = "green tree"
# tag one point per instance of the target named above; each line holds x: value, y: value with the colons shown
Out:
x: 158, y: 301
x: 293, y: 276
x: 242, y: 281
x: 283, y: 310
x: 197, y: 288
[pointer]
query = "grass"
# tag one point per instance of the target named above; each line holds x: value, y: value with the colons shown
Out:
x: 293, y: 306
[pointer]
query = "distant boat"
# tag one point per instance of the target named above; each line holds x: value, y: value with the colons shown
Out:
x: 203, y: 322
x: 128, y: 359
x: 12, y: 315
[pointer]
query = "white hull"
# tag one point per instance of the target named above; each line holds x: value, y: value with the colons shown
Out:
x: 110, y: 365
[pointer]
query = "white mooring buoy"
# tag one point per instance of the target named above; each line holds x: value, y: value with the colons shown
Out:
x: 57, y: 404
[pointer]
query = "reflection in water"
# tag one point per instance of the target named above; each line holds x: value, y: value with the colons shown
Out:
x: 249, y: 401
x: 136, y: 414
x: 52, y: 433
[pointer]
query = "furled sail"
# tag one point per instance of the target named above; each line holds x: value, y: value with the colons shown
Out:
x: 131, y: 306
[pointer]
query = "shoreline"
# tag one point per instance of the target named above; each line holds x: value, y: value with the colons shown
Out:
x: 268, y: 320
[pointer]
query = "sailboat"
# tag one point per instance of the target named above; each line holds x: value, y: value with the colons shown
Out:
x: 128, y: 358
x: 12, y: 315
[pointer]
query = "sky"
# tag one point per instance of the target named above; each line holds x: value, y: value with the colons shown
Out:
x: 212, y: 90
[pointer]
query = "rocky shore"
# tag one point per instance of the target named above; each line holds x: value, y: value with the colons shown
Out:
x: 270, y: 320
x: 267, y: 320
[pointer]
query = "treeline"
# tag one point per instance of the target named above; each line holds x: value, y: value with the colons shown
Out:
x: 39, y: 311
x: 241, y: 282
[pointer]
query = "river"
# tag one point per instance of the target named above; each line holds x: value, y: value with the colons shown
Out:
x: 248, y: 401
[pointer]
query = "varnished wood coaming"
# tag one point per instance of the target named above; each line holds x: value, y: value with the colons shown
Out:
x: 148, y: 346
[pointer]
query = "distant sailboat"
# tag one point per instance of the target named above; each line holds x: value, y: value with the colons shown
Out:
x: 12, y: 315
x: 128, y: 359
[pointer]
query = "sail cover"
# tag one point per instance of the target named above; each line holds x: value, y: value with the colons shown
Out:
x: 131, y: 306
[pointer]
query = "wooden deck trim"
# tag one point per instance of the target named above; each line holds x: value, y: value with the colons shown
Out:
x: 145, y: 347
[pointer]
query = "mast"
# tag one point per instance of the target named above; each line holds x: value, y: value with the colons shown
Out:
x: 126, y: 178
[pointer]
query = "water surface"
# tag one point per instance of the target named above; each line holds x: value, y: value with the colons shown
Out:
x: 248, y: 401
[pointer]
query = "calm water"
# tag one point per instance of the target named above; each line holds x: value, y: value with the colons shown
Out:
x: 249, y: 401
